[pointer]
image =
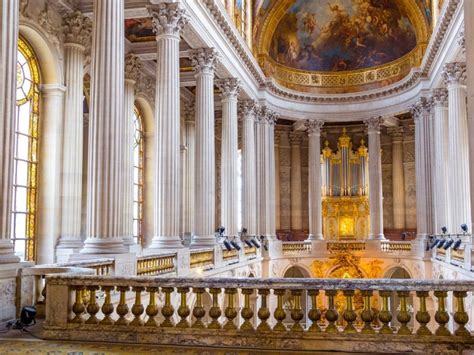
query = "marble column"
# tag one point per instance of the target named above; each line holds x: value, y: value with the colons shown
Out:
x: 230, y: 89
x: 248, y: 112
x: 296, y: 193
x: 313, y: 128
x: 277, y: 182
x: 440, y: 157
x: 106, y: 149
x: 77, y: 33
x: 261, y: 171
x: 467, y: 40
x: 398, y: 178
x: 8, y: 61
x: 204, y: 62
x: 190, y: 131
x: 168, y: 22
x: 270, y: 228
x: 375, y: 179
x: 458, y: 155
x: 132, y: 75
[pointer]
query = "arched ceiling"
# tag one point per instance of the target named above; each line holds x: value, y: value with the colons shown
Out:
x: 339, y: 46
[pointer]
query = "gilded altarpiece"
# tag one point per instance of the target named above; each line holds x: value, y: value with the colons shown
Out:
x: 345, y: 202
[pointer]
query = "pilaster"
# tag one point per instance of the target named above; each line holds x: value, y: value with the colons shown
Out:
x: 296, y: 193
x: 398, y: 178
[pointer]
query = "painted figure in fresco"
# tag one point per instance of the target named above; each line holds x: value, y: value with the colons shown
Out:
x: 309, y: 23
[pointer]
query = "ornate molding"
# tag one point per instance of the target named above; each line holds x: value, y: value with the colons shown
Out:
x: 440, y: 97
x: 462, y: 40
x: 374, y: 124
x: 455, y: 73
x: 229, y: 87
x: 168, y: 18
x: 77, y: 29
x: 204, y: 60
x: 133, y: 67
x: 313, y: 126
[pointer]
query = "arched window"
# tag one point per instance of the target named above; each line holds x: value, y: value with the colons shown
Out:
x: 25, y: 153
x: 138, y: 162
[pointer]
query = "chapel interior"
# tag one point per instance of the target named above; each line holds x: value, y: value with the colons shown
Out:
x: 215, y: 176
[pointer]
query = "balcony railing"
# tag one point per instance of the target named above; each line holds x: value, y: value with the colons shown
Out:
x: 370, y: 311
x: 296, y: 247
x: 156, y: 264
x: 346, y: 246
x: 392, y: 247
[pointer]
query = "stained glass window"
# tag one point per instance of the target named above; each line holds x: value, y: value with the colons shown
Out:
x: 138, y: 163
x: 25, y: 153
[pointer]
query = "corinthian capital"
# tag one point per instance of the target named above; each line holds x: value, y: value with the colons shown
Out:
x: 168, y: 18
x: 267, y: 116
x: 204, y: 60
x: 77, y: 29
x: 313, y: 126
x: 421, y: 108
x: 133, y: 66
x: 295, y: 137
x: 248, y: 109
x: 440, y: 97
x: 373, y: 124
x: 455, y: 73
x: 229, y: 87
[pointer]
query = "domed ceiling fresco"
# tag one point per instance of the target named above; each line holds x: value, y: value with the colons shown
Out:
x: 295, y: 39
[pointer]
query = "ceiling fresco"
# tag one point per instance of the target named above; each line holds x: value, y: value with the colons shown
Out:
x: 139, y: 30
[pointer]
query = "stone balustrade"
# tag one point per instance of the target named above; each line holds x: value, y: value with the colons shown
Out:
x: 392, y: 247
x: 296, y: 247
x: 291, y: 314
x: 161, y: 264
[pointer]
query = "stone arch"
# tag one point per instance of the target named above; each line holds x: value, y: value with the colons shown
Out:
x: 298, y: 271
x: 398, y: 272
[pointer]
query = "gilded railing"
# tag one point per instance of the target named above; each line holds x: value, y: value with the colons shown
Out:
x: 249, y: 251
x: 345, y: 246
x: 395, y: 247
x: 200, y: 258
x: 362, y: 309
x: 296, y: 247
x: 229, y: 254
x: 457, y: 255
x: 156, y: 264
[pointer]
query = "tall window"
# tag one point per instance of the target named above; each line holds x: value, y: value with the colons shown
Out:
x: 138, y: 162
x: 25, y: 153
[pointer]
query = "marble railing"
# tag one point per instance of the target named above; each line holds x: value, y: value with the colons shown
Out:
x: 292, y: 313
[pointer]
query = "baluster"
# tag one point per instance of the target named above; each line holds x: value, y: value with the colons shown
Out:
x: 152, y: 308
x: 441, y: 316
x: 403, y: 315
x: 297, y: 313
x: 460, y: 316
x: 247, y: 312
x: 331, y: 314
x: 122, y: 307
x: 78, y: 307
x: 279, y: 313
x: 349, y: 314
x: 183, y: 309
x: 215, y: 311
x: 137, y: 308
x: 314, y: 314
x: 367, y: 314
x: 198, y: 310
x: 422, y: 316
x: 92, y: 308
x: 168, y: 310
x: 107, y: 307
x: 230, y: 311
x: 263, y: 313
x: 385, y: 316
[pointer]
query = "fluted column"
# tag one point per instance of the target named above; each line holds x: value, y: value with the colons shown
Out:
x: 190, y: 129
x: 77, y: 36
x: 398, y: 178
x: 469, y: 51
x: 458, y: 156
x: 106, y: 150
x: 204, y: 62
x: 260, y: 147
x: 230, y: 89
x: 441, y: 160
x: 375, y: 179
x: 8, y: 61
x: 271, y: 119
x: 296, y: 193
x: 132, y: 75
x: 249, y: 179
x: 277, y: 182
x: 313, y: 128
x: 168, y: 21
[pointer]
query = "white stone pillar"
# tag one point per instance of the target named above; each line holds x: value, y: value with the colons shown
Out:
x: 8, y: 62
x: 277, y: 182
x: 458, y: 155
x: 398, y: 178
x: 132, y: 75
x: 230, y: 89
x: 314, y: 178
x: 296, y: 193
x: 249, y: 179
x: 467, y: 40
x: 78, y: 30
x: 204, y: 62
x: 106, y: 149
x: 190, y: 129
x: 168, y: 22
x: 375, y: 179
x: 260, y: 147
x: 440, y: 157
x: 271, y: 119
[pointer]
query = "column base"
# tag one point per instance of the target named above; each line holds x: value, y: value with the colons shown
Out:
x: 69, y: 242
x: 63, y: 255
x: 203, y: 242
x: 162, y: 242
x: 315, y: 237
x: 7, y: 253
x: 376, y: 237
x: 97, y: 245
